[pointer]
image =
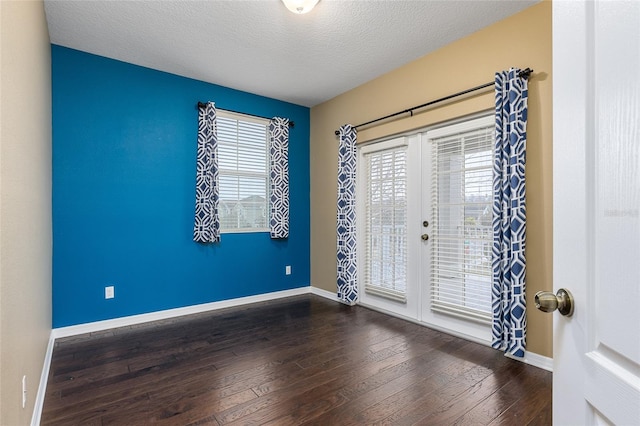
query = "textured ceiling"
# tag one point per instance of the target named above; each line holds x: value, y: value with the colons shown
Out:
x: 260, y: 47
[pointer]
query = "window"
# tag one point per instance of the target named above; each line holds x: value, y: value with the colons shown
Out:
x: 243, y: 165
x: 385, y: 233
x: 462, y: 210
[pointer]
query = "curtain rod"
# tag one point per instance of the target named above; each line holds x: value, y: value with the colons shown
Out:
x: 202, y: 105
x: 524, y: 74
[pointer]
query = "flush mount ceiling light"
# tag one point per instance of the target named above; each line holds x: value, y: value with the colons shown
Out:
x: 300, y: 6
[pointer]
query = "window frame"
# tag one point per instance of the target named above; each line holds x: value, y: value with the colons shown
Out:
x: 239, y: 117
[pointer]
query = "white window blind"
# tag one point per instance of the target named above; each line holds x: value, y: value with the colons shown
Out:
x: 462, y: 210
x: 243, y: 173
x: 385, y: 268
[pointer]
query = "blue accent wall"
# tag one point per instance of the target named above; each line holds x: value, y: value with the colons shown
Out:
x: 124, y: 163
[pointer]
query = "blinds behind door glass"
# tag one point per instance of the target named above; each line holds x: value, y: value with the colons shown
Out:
x: 243, y: 166
x: 385, y: 269
x: 462, y: 210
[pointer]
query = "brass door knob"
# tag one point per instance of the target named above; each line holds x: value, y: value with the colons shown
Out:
x: 546, y: 301
x: 424, y: 237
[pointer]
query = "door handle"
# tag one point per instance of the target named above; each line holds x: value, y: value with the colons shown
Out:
x: 563, y: 301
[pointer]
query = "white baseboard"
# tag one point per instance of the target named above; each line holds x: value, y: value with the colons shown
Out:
x: 324, y: 293
x: 93, y: 327
x: 535, y: 360
x: 42, y: 386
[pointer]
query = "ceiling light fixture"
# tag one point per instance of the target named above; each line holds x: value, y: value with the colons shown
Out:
x: 300, y: 6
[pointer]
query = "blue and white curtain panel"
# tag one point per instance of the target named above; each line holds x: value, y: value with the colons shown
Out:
x: 346, y: 223
x: 206, y: 228
x: 279, y: 177
x: 509, y: 215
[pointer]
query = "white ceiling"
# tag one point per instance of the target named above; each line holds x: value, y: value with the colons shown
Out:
x: 260, y: 47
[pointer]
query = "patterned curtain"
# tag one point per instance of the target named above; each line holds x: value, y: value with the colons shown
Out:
x: 509, y: 219
x: 206, y: 228
x: 346, y: 224
x: 279, y: 173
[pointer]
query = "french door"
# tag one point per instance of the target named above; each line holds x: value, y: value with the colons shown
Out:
x: 388, y: 212
x: 424, y: 227
x: 456, y: 206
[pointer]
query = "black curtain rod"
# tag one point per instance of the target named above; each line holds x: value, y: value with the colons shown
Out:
x: 202, y: 105
x: 524, y: 74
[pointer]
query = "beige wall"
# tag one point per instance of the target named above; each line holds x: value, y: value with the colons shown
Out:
x: 25, y: 204
x: 523, y: 40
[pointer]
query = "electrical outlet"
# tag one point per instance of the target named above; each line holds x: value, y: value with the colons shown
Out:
x: 24, y: 391
x: 109, y: 292
x: 287, y: 270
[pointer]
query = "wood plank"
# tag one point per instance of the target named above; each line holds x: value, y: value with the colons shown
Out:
x: 536, y: 400
x: 513, y: 391
x: 299, y: 360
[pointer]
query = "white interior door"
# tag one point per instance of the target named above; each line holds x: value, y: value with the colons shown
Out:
x: 596, y: 106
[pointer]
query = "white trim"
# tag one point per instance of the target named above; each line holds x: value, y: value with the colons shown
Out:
x: 535, y: 360
x: 42, y: 386
x: 324, y: 293
x: 451, y: 128
x: 383, y: 145
x: 391, y: 294
x: 238, y: 116
x: 91, y: 327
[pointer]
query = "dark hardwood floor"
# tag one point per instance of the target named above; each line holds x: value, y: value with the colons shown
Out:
x: 301, y: 360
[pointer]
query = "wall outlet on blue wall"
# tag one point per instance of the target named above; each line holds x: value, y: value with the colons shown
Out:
x: 287, y: 270
x: 109, y: 292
